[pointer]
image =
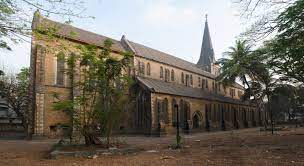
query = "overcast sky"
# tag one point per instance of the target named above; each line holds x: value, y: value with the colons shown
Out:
x: 172, y: 26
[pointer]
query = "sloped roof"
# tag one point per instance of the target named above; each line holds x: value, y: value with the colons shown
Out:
x: 70, y: 32
x: 158, y: 86
x: 152, y: 54
x: 64, y: 30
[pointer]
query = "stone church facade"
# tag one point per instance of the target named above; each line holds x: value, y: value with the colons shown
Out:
x: 162, y: 81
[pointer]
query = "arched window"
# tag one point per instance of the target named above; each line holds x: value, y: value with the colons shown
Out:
x: 172, y: 75
x: 183, y: 79
x: 165, y: 111
x: 206, y: 83
x: 174, y: 113
x: 161, y: 72
x: 148, y: 69
x: 203, y: 83
x: 167, y: 75
x: 142, y: 68
x: 60, y: 69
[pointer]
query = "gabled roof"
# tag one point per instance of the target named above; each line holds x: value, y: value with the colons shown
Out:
x: 155, y: 55
x: 42, y: 24
x: 67, y: 31
x: 157, y: 86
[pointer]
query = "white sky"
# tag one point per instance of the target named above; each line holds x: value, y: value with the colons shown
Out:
x: 173, y: 26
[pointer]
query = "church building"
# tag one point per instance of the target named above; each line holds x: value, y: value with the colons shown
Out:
x: 164, y: 86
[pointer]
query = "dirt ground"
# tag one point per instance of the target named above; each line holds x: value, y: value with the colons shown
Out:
x: 241, y: 147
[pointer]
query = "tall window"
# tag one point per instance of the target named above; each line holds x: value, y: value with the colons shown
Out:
x: 165, y: 111
x: 199, y: 81
x: 219, y: 87
x: 191, y: 80
x: 142, y: 68
x: 206, y: 83
x: 183, y: 78
x: 167, y: 75
x: 232, y: 92
x: 174, y: 113
x: 161, y: 72
x: 60, y: 69
x: 187, y: 80
x: 203, y: 83
x: 172, y: 75
x: 148, y: 69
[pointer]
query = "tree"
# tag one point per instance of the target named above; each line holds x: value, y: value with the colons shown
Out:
x: 240, y: 65
x: 284, y: 101
x: 15, y: 91
x: 249, y: 67
x: 261, y: 16
x: 285, y: 51
x: 100, y: 89
x: 265, y: 83
x: 16, y: 15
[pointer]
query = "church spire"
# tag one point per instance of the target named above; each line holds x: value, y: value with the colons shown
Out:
x: 207, y: 53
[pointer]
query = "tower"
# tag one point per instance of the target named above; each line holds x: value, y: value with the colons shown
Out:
x: 206, y: 59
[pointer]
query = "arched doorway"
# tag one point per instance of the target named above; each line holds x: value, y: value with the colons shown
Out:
x: 197, y: 120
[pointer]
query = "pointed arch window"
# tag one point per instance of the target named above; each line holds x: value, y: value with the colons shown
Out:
x: 148, y: 69
x: 174, y: 113
x: 206, y: 83
x: 60, y: 69
x: 141, y: 68
x: 165, y: 111
x: 161, y: 72
x: 172, y: 75
x: 167, y: 75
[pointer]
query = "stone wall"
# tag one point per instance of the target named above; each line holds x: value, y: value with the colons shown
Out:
x: 220, y: 116
x: 155, y: 74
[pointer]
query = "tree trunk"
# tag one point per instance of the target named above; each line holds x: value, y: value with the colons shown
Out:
x: 90, y: 137
x: 271, y: 113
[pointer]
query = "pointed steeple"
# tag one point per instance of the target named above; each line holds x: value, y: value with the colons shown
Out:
x: 207, y: 53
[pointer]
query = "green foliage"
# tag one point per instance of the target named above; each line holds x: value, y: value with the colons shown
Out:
x: 178, y: 144
x: 285, y: 51
x: 15, y: 88
x: 100, y: 101
x: 243, y: 64
x: 237, y: 66
x: 15, y: 20
x: 65, y: 105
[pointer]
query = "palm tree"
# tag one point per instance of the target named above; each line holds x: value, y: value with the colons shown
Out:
x: 239, y: 65
x: 248, y: 67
